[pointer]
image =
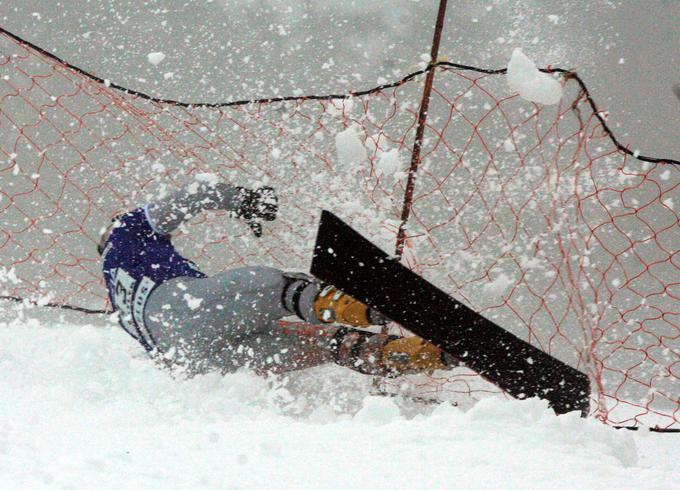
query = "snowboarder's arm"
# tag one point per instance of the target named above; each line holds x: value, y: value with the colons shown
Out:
x: 167, y: 213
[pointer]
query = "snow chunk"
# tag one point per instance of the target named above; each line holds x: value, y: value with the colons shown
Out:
x: 208, y: 178
x: 155, y: 57
x: 532, y: 84
x: 350, y: 147
x: 192, y: 302
x: 8, y: 275
x: 569, y: 430
x: 377, y: 410
x: 389, y: 162
x: 669, y: 203
x: 499, y: 285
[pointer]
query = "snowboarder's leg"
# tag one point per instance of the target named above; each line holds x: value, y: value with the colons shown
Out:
x: 220, y: 319
x: 243, y: 299
x: 280, y: 348
x: 230, y: 320
x: 191, y: 315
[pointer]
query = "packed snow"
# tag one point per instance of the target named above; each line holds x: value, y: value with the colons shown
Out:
x: 82, y: 407
x: 389, y: 162
x: 155, y: 58
x: 350, y: 147
x: 498, y: 286
x: 532, y: 84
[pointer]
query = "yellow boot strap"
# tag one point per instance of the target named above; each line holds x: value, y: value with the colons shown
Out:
x: 334, y: 306
x: 411, y: 354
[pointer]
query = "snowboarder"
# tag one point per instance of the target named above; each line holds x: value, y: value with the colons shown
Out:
x: 231, y: 320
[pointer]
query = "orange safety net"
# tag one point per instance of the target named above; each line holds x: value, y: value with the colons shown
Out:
x: 535, y: 216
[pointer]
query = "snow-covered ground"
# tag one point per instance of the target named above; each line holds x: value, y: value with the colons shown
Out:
x: 81, y: 407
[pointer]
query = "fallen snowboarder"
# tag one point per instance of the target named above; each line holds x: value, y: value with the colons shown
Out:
x: 231, y: 320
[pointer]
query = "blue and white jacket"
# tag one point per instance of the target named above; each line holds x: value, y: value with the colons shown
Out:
x: 136, y: 259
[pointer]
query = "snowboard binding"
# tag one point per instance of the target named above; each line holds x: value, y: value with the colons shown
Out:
x: 333, y: 306
x: 386, y: 355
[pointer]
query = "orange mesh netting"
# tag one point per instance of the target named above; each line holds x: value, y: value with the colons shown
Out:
x: 533, y: 215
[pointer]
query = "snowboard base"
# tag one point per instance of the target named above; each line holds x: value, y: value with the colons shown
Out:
x: 347, y: 260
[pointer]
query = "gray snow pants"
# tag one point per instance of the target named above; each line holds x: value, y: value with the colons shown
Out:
x: 230, y: 320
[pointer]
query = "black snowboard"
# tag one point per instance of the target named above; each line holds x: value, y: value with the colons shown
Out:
x: 346, y: 259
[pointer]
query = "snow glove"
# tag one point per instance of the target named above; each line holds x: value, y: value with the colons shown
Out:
x: 256, y: 206
x: 206, y: 193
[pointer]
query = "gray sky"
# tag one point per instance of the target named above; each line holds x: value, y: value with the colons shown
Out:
x: 626, y: 51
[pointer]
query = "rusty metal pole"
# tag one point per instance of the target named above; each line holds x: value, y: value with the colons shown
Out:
x: 420, y: 130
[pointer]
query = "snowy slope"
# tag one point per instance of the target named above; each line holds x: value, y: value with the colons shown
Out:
x: 81, y: 407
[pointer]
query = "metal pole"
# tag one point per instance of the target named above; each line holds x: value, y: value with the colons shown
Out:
x: 420, y: 130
